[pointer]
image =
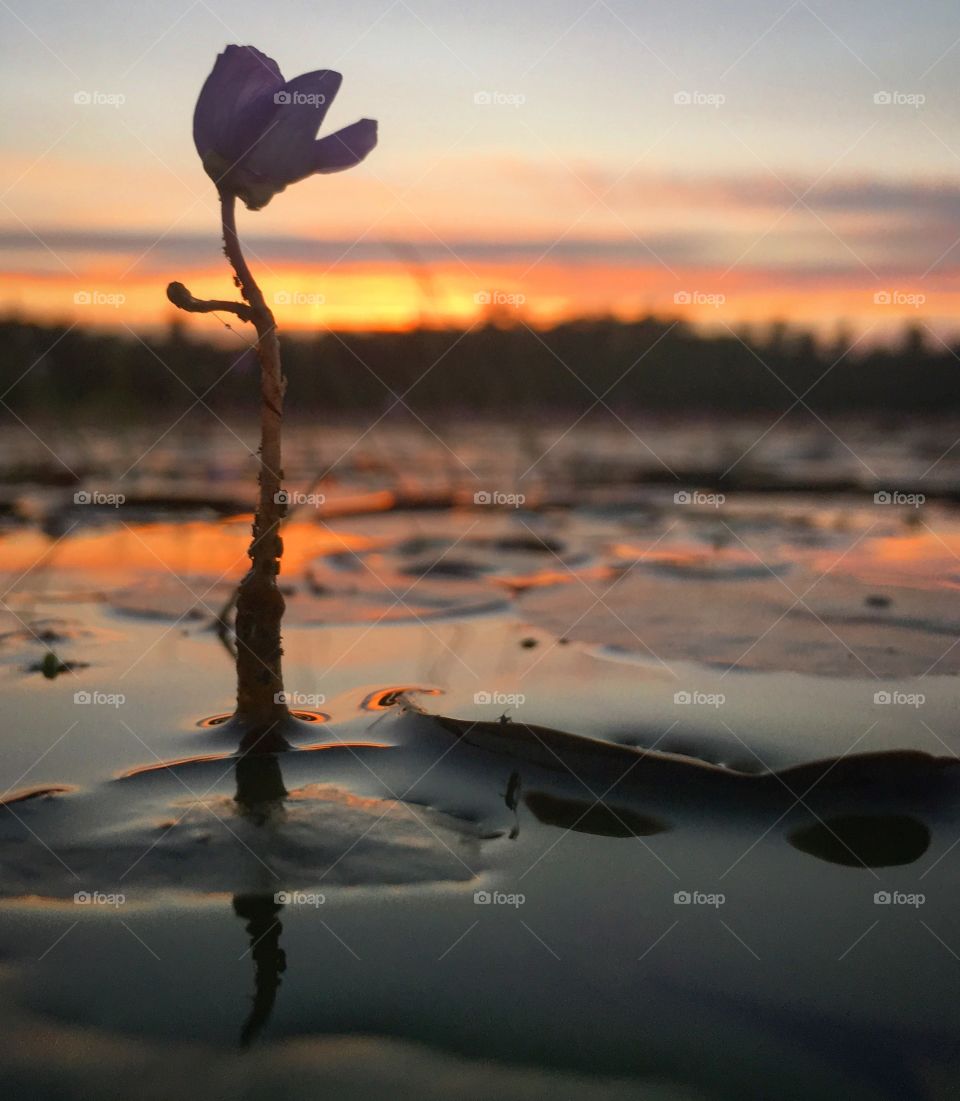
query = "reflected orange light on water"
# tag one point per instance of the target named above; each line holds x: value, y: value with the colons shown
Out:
x: 923, y: 559
x: 182, y: 550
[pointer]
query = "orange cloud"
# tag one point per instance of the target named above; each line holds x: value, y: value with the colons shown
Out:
x: 384, y: 295
x: 518, y: 237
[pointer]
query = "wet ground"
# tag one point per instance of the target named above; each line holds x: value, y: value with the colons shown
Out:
x: 555, y: 818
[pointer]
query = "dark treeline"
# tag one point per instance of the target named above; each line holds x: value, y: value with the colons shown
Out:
x: 495, y: 370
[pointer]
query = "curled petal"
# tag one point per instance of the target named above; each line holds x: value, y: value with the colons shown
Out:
x: 284, y: 152
x: 310, y: 96
x: 345, y: 148
x: 236, y: 102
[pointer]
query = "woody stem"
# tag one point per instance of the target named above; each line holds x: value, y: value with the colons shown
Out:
x: 260, y: 604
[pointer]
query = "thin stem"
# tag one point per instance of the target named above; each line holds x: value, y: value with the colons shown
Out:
x: 261, y: 706
x: 231, y: 246
x: 260, y: 604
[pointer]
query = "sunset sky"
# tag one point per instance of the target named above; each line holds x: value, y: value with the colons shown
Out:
x: 726, y: 163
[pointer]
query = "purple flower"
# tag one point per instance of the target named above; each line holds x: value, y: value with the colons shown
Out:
x: 256, y: 132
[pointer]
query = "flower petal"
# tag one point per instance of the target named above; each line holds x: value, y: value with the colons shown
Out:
x: 236, y: 102
x: 345, y: 148
x: 285, y: 151
x: 310, y: 96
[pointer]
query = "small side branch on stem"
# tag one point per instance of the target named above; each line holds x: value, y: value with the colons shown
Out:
x: 184, y: 300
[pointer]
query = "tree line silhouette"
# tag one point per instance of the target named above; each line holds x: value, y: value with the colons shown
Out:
x: 500, y: 369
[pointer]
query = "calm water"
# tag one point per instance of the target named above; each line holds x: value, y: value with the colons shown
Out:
x: 465, y: 878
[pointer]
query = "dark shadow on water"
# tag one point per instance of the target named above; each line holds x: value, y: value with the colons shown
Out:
x: 511, y: 798
x: 260, y: 787
x: 260, y: 796
x: 872, y: 841
x: 269, y: 959
x: 592, y: 816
